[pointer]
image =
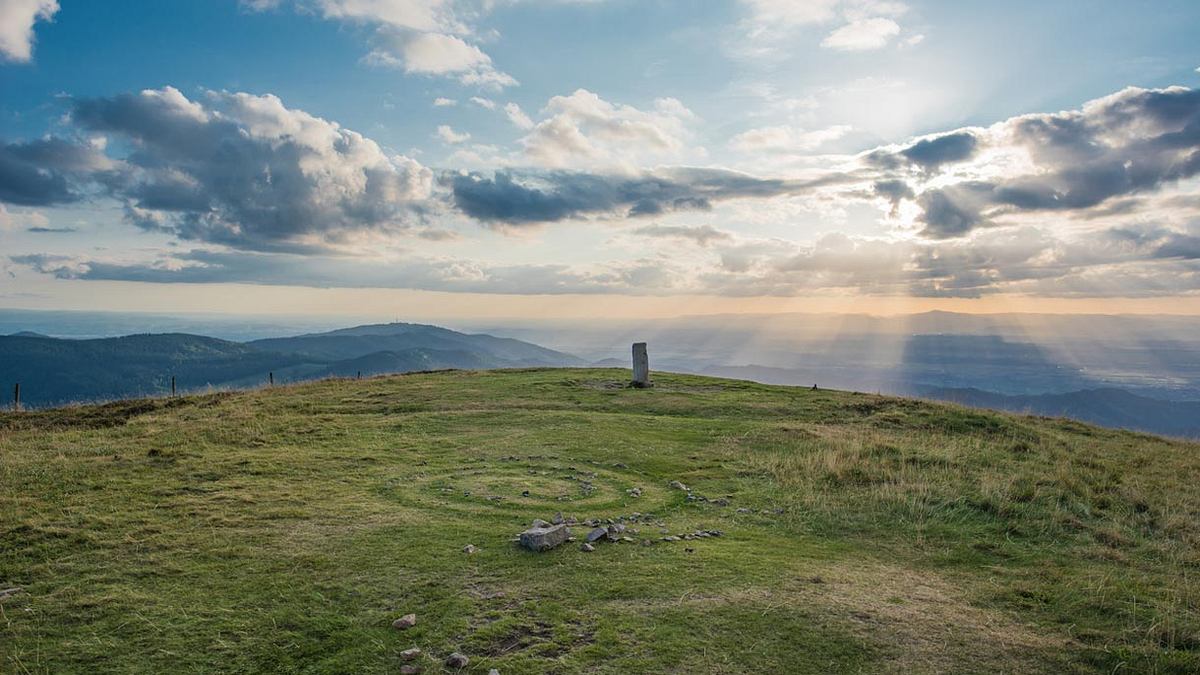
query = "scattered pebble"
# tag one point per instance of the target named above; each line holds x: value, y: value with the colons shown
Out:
x: 405, y: 622
x: 470, y: 549
x: 457, y: 660
x: 410, y: 654
x: 410, y: 669
x: 678, y: 486
x: 586, y: 547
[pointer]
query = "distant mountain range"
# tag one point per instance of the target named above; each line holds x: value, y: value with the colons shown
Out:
x: 55, y: 371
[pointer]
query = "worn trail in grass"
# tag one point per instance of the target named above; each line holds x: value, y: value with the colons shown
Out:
x: 284, y: 529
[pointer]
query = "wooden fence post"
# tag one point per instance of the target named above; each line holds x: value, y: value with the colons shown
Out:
x: 271, y: 379
x: 17, y: 397
x: 172, y: 386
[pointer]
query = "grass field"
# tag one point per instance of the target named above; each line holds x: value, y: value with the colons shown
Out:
x: 283, y: 530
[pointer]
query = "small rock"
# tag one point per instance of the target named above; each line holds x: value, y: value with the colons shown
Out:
x: 689, y: 550
x: 538, y: 522
x: 493, y: 671
x: 678, y: 486
x: 410, y: 669
x: 596, y: 534
x: 634, y: 492
x: 411, y: 654
x: 647, y: 542
x: 558, y: 518
x: 457, y: 660
x: 405, y: 622
x: 615, y: 531
x: 744, y: 510
x: 469, y: 549
x: 544, y: 538
x: 586, y: 547
x: 525, y: 493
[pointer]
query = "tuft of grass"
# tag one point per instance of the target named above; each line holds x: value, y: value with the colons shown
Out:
x: 283, y: 530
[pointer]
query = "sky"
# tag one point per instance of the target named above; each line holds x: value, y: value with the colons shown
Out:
x: 595, y: 158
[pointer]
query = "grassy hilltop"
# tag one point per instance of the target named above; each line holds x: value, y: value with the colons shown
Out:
x: 284, y: 530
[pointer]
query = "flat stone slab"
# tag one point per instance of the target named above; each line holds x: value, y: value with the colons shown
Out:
x: 544, y: 538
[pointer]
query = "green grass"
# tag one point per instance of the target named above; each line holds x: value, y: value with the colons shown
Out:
x: 283, y: 530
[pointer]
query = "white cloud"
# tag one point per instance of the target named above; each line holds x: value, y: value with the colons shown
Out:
x: 423, y: 37
x: 443, y: 102
x: 439, y: 54
x: 862, y: 35
x: 771, y: 24
x: 449, y: 135
x: 767, y: 12
x: 518, y: 116
x: 583, y: 129
x: 483, y: 102
x: 17, y: 18
x: 419, y: 15
x: 786, y: 139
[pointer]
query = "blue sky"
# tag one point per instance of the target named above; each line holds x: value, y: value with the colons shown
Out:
x: 526, y: 156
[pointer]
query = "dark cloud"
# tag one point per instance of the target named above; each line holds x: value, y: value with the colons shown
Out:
x: 51, y: 230
x: 928, y: 154
x: 47, y: 171
x: 931, y: 153
x: 953, y: 211
x: 246, y: 172
x: 206, y: 266
x: 518, y: 198
x: 1092, y: 162
x: 894, y: 191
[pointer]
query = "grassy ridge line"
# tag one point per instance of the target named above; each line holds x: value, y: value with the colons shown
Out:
x: 282, y: 530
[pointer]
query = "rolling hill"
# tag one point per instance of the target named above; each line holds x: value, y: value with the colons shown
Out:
x: 772, y: 530
x: 57, y: 371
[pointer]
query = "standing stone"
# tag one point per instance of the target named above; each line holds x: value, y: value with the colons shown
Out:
x: 544, y: 538
x: 641, y: 365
